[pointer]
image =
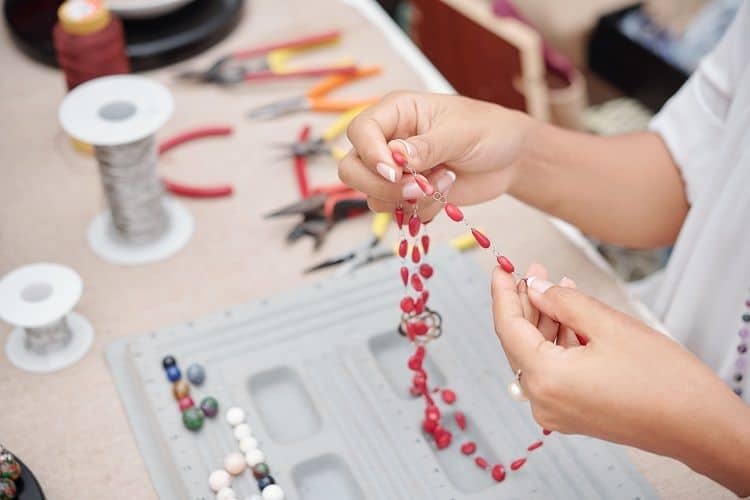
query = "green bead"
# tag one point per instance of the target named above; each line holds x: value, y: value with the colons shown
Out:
x: 10, y: 469
x: 261, y: 470
x: 192, y: 418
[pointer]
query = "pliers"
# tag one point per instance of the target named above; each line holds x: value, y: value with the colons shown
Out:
x: 190, y: 191
x: 372, y: 250
x: 307, y: 147
x: 315, y: 99
x: 324, y: 207
x: 269, y: 62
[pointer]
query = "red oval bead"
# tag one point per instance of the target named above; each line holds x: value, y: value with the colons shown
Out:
x: 414, y: 363
x: 498, y: 473
x: 420, y: 351
x: 424, y: 184
x: 407, y: 304
x: 420, y: 328
x: 429, y: 426
x: 483, y: 241
x: 419, y: 380
x: 505, y: 264
x: 460, y: 419
x: 415, y: 255
x: 414, y: 391
x: 416, y: 282
x: 469, y: 448
x: 404, y: 275
x: 534, y: 446
x: 185, y: 403
x: 419, y: 306
x: 481, y: 463
x: 414, y: 224
x: 398, y: 214
x: 517, y: 464
x: 432, y: 413
x: 425, y: 243
x: 448, y: 396
x: 546, y: 432
x: 403, y: 247
x: 426, y: 271
x: 398, y: 159
x: 425, y: 296
x: 454, y: 212
x: 444, y: 440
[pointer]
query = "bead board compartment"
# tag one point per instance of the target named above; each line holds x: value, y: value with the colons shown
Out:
x: 343, y: 428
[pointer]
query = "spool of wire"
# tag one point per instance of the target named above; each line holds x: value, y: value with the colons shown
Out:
x: 119, y: 115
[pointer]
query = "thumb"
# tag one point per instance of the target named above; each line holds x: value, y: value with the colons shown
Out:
x: 425, y: 151
x: 571, y: 308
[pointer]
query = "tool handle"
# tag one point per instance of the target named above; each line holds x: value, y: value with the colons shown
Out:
x: 305, y: 41
x: 340, y: 124
x: 463, y: 242
x: 191, y: 135
x: 338, y: 153
x: 300, y: 166
x: 299, y: 73
x: 380, y: 223
x: 335, y: 81
x: 189, y: 191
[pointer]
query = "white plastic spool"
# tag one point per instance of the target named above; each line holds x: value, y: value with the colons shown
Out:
x: 115, y: 110
x: 38, y: 295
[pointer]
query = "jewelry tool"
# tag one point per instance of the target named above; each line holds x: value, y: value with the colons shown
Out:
x: 269, y: 61
x: 315, y: 99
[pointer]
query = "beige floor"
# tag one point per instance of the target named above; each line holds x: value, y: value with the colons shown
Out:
x: 70, y: 427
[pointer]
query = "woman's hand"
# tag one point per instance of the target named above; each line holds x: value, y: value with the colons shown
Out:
x: 476, y: 145
x: 628, y: 383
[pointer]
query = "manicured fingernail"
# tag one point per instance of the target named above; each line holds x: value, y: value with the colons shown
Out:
x: 386, y: 171
x: 567, y: 282
x: 424, y: 184
x: 538, y: 284
x: 411, y: 151
x: 411, y: 190
x: 445, y: 182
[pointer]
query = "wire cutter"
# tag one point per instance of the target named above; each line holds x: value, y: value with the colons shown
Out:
x: 191, y: 191
x: 324, y: 207
x: 315, y: 99
x: 270, y: 62
x: 372, y: 250
x: 307, y: 147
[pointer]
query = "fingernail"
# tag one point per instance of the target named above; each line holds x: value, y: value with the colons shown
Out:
x: 538, y: 284
x: 411, y: 190
x: 567, y: 282
x: 411, y: 151
x: 386, y: 171
x: 445, y: 182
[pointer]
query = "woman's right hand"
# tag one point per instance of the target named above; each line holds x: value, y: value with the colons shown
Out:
x: 470, y: 148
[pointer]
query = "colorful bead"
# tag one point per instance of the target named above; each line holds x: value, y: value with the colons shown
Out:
x: 173, y: 373
x: 209, y: 406
x: 505, y: 264
x: 180, y: 389
x: 405, y: 275
x: 483, y: 241
x: 399, y: 159
x: 420, y: 328
x: 234, y: 463
x: 424, y: 185
x: 425, y: 295
x: 498, y: 473
x: 248, y: 443
x: 196, y: 374
x: 448, y: 396
x: 425, y: 243
x: 742, y: 348
x: 192, y: 418
x: 273, y: 492
x: 454, y: 212
x: 219, y: 479
x: 746, y: 317
x: 168, y: 361
x: 738, y: 377
x: 432, y: 413
x: 226, y: 494
x: 10, y: 469
x: 407, y: 304
x: 398, y: 214
x: 517, y: 464
x: 235, y: 416
x: 254, y: 457
x: 242, y: 431
x: 416, y: 282
x: 444, y: 440
x: 469, y: 448
x: 481, y: 463
x: 8, y: 489
x: 403, y: 248
x: 414, y: 363
x: 429, y: 426
x: 185, y: 403
x: 744, y: 333
x: 415, y: 256
x: 460, y: 419
x: 535, y: 445
x: 414, y: 224
x: 419, y: 305
x: 426, y: 271
x: 261, y: 470
x: 546, y: 432
x: 265, y: 481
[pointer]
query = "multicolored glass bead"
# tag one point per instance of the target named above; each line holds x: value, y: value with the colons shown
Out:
x: 210, y: 406
x: 192, y: 418
x: 196, y: 374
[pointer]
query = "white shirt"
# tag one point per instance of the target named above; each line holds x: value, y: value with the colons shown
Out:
x: 701, y: 294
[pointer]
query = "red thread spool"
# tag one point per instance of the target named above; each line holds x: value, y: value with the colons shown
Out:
x: 89, y: 42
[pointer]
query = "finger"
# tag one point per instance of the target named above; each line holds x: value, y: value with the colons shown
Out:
x: 550, y: 328
x: 567, y: 337
x: 519, y: 338
x: 379, y: 206
x: 530, y: 312
x: 425, y: 151
x: 356, y: 175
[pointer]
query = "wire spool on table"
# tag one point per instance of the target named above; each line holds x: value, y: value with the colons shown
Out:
x: 119, y: 116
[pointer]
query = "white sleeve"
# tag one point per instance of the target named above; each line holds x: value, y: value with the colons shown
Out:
x: 692, y: 121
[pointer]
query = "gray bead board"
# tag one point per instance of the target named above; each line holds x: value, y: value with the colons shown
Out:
x: 321, y: 373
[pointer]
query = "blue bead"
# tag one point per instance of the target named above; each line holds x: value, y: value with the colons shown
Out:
x: 173, y: 374
x: 196, y: 374
x: 746, y: 317
x: 168, y: 361
x: 265, y: 481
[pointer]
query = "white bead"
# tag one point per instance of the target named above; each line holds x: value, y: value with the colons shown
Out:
x: 254, y: 457
x: 226, y: 494
x: 254, y: 497
x: 235, y: 416
x: 272, y: 492
x: 516, y: 392
x: 234, y: 463
x: 242, y: 431
x: 219, y: 479
x: 248, y: 443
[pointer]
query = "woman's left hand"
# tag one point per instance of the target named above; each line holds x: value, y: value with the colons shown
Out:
x: 622, y: 381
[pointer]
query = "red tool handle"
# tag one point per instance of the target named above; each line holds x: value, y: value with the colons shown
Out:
x: 191, y: 135
x: 300, y: 165
x: 305, y: 41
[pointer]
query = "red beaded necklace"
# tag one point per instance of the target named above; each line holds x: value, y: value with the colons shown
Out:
x: 421, y: 324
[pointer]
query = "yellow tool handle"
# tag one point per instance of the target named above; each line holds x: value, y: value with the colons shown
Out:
x: 334, y: 81
x: 380, y: 223
x: 340, y: 124
x: 277, y: 58
x: 338, y: 153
